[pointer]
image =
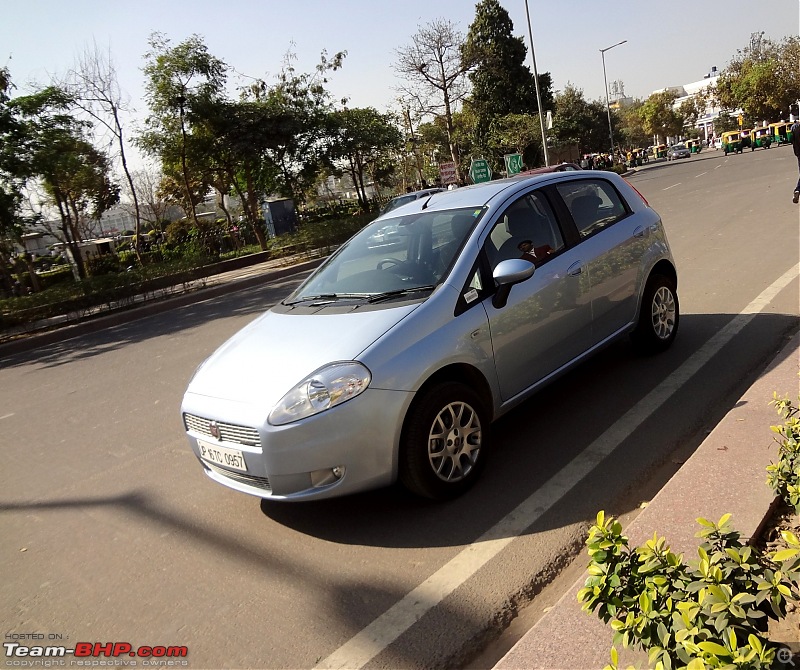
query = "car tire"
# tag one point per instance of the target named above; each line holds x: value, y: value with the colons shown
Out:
x: 444, y: 443
x: 659, y: 316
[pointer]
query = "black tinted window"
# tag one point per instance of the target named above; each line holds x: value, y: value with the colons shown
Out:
x: 594, y: 204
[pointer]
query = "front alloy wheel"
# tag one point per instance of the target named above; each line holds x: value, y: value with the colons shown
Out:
x: 444, y: 441
x: 454, y: 442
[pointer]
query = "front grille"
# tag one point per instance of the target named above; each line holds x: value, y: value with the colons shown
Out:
x: 241, y: 477
x: 228, y: 432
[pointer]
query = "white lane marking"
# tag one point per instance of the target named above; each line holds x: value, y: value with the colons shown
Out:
x: 700, y: 175
x: 718, y: 166
x: 369, y: 642
x: 669, y: 187
x: 6, y: 416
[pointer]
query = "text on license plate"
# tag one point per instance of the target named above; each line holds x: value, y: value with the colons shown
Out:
x: 229, y: 458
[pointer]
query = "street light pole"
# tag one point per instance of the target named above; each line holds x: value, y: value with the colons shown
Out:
x: 608, y: 104
x: 538, y: 92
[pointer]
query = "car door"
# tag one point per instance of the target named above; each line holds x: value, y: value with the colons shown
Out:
x: 612, y: 244
x: 547, y: 320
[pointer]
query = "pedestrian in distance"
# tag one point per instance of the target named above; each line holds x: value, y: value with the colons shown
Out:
x: 796, y: 147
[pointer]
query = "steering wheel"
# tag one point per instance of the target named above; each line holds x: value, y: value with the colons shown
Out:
x: 388, y: 261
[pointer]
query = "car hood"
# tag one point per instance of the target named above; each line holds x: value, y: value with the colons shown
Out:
x: 266, y: 359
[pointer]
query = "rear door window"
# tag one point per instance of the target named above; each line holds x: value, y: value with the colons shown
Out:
x: 593, y: 203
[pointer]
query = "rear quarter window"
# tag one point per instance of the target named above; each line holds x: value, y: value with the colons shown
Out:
x: 593, y: 203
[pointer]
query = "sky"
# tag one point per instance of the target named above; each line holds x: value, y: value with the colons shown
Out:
x: 668, y: 43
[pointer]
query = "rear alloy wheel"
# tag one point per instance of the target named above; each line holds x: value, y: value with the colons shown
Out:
x: 444, y: 443
x: 658, y: 316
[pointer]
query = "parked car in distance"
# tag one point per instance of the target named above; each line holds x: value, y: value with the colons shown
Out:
x: 561, y: 167
x: 389, y: 365
x: 404, y: 199
x: 678, y: 151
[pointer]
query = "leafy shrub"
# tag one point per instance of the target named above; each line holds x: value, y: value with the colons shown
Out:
x: 712, y: 615
x: 102, y: 265
x: 126, y: 258
x: 58, y: 275
x: 782, y: 477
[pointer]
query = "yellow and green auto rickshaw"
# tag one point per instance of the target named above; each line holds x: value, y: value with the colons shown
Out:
x: 747, y: 138
x: 760, y: 137
x: 694, y: 146
x: 660, y: 151
x: 732, y: 142
x: 781, y: 132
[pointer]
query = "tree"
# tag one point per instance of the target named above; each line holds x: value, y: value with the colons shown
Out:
x: 658, y: 116
x: 363, y: 137
x: 517, y: 133
x: 95, y: 89
x: 13, y: 175
x: 297, y: 138
x: 501, y: 82
x: 689, y: 110
x: 184, y: 85
x: 631, y: 126
x: 153, y: 208
x: 577, y: 121
x: 434, y: 74
x: 761, y: 79
x: 45, y: 143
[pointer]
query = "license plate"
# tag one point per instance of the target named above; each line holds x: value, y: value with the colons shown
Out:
x: 228, y: 458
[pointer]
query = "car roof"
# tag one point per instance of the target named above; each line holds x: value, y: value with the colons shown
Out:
x: 418, y: 194
x: 480, y: 195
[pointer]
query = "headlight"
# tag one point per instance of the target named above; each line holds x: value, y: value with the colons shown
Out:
x: 330, y: 386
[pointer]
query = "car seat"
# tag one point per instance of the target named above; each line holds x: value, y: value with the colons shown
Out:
x: 584, y: 210
x: 519, y: 227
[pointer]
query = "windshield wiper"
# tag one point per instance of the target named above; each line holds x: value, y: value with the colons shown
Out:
x: 328, y: 297
x: 403, y: 291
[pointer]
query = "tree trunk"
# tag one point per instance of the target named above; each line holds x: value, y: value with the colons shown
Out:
x: 69, y: 231
x: 234, y: 238
x: 249, y: 215
x: 137, y: 249
x: 7, y: 277
x: 35, y: 283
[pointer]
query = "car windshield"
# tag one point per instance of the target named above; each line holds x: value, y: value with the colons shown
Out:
x: 396, y: 256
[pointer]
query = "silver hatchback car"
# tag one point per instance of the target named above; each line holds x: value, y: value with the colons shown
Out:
x: 390, y: 364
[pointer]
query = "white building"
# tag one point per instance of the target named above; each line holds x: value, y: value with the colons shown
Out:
x: 708, y: 111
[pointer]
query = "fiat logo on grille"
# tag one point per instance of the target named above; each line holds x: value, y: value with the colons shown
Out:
x: 213, y: 428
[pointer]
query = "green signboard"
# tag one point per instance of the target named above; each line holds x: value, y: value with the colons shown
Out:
x: 513, y: 163
x: 479, y: 171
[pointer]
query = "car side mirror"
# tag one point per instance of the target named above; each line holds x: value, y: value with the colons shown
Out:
x: 506, y: 274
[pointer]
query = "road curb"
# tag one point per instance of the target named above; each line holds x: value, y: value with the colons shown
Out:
x: 736, y: 453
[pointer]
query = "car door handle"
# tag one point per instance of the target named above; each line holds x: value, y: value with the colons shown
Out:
x: 638, y: 231
x: 575, y: 269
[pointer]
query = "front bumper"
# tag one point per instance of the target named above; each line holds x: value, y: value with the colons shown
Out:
x: 360, y: 438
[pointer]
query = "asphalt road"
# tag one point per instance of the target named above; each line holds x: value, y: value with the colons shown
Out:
x: 111, y: 533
